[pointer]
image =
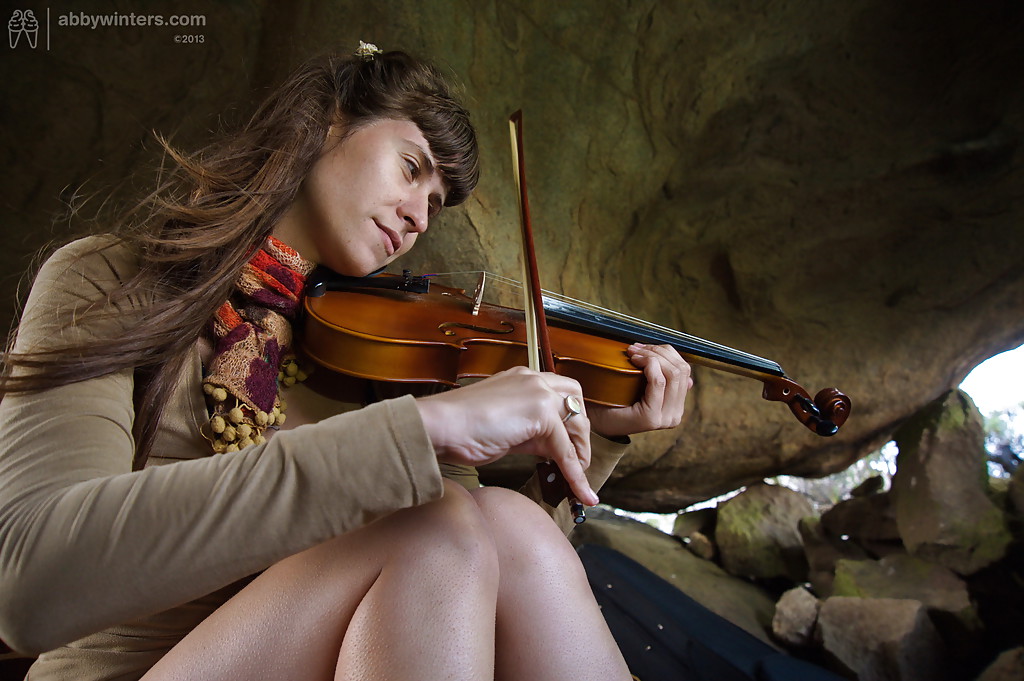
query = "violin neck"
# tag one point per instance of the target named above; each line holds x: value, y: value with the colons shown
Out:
x: 632, y: 330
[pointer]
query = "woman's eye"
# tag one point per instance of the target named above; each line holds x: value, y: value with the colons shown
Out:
x: 413, y: 168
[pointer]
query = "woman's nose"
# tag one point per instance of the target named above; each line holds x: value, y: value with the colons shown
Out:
x: 415, y: 212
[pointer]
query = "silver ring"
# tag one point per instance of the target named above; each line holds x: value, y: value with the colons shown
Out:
x: 573, y: 405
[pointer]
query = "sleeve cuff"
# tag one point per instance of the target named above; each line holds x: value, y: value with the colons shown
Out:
x: 415, y: 449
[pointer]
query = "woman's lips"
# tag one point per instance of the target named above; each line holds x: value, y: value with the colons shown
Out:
x: 392, y: 242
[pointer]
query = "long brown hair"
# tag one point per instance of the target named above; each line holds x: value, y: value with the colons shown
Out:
x: 211, y: 209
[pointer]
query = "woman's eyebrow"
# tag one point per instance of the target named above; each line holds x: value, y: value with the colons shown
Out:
x: 425, y: 157
x: 428, y: 166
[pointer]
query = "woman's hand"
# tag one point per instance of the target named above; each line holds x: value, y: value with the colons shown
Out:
x: 516, y: 411
x: 668, y: 380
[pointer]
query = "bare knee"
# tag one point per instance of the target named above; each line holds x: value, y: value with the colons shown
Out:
x: 445, y: 537
x: 521, y: 529
x: 452, y: 535
x: 508, y: 511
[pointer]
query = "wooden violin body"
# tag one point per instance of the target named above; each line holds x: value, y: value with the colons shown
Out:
x: 409, y: 330
x: 436, y: 337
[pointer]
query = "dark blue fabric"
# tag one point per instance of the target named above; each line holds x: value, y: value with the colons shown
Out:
x: 666, y: 636
x: 785, y: 668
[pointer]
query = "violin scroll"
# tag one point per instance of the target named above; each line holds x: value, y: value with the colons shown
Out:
x: 834, y: 405
x: 823, y: 415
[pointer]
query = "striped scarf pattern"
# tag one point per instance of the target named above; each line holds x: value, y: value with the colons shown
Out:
x: 253, y: 334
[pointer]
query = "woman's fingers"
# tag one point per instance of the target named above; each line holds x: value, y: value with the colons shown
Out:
x: 573, y: 442
x: 565, y: 436
x: 668, y: 380
x: 518, y: 410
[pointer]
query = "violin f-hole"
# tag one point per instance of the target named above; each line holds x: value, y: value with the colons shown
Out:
x: 446, y: 328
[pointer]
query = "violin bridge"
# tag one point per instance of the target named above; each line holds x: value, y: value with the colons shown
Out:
x: 478, y: 295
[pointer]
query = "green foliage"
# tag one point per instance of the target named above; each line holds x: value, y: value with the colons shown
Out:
x: 1004, y: 439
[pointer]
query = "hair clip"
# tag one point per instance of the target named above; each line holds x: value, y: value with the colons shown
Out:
x: 367, y: 51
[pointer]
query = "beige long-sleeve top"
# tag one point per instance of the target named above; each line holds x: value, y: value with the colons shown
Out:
x: 123, y: 564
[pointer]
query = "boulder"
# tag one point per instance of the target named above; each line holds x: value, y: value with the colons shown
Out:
x: 700, y: 545
x: 870, y: 486
x: 757, y: 533
x: 695, y: 529
x: 998, y: 591
x: 867, y: 521
x: 822, y: 551
x: 1009, y: 666
x: 796, y: 615
x: 701, y: 520
x: 882, y: 639
x: 904, y: 576
x: 940, y: 494
x: 941, y: 591
x: 738, y: 601
x: 1015, y: 493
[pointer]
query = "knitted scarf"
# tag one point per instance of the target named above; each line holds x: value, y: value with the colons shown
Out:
x: 253, y: 334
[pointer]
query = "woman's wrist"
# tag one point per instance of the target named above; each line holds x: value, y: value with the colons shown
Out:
x: 433, y: 413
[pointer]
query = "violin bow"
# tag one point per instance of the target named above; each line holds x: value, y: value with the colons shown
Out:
x: 553, y: 485
x: 538, y: 341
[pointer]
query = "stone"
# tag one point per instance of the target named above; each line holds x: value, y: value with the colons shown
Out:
x: 700, y: 545
x: 1015, y: 493
x: 1009, y: 666
x: 796, y: 615
x: 903, y: 576
x: 940, y: 496
x: 822, y: 551
x: 862, y: 519
x: 998, y: 592
x: 701, y: 520
x: 736, y: 600
x: 939, y: 589
x: 870, y: 486
x: 882, y: 639
x: 757, y: 533
x: 998, y: 491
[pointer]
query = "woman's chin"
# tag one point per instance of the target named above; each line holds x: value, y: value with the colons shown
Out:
x: 356, y: 268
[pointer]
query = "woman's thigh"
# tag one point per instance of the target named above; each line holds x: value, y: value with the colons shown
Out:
x: 291, y: 621
x: 549, y: 625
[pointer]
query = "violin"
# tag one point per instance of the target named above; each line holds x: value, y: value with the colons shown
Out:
x: 415, y: 330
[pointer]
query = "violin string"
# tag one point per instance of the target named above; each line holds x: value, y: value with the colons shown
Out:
x: 654, y: 329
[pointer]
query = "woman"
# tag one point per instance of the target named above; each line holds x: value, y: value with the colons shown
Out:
x: 333, y: 550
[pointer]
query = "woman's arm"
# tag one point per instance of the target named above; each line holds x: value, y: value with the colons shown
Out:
x: 86, y: 543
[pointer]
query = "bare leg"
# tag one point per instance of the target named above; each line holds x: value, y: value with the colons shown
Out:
x: 549, y: 625
x: 411, y: 596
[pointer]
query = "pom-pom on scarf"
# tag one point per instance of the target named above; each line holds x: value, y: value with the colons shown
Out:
x: 253, y: 334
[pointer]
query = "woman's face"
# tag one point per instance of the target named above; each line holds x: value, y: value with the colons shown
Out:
x: 366, y: 199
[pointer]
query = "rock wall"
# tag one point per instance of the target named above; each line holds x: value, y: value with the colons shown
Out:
x: 832, y: 186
